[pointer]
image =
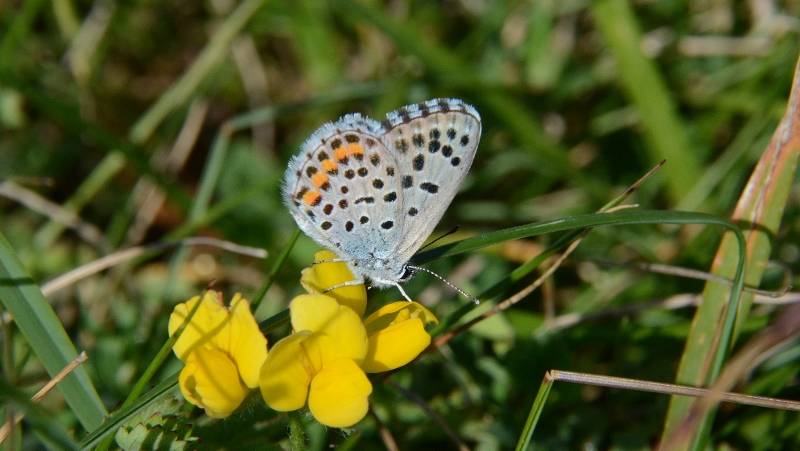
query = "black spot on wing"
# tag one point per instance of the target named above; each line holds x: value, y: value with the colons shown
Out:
x: 404, y: 116
x: 429, y: 187
x: 418, y: 163
x: 401, y: 146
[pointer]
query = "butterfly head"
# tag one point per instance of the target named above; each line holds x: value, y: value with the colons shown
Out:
x: 384, y: 272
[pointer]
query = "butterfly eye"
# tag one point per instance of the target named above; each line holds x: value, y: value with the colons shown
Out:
x: 408, y: 272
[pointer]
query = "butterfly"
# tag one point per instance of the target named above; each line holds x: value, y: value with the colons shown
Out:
x: 372, y: 192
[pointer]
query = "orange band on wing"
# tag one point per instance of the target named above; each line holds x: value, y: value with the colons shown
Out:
x: 312, y: 198
x: 355, y: 149
x: 341, y: 153
x: 319, y: 179
x: 329, y: 166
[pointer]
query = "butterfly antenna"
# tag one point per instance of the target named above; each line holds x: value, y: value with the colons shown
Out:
x: 452, y: 231
x: 466, y: 295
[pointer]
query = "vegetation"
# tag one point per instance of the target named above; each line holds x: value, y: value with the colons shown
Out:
x: 145, y: 123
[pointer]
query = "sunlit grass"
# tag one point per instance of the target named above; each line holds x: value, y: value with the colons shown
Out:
x: 131, y: 123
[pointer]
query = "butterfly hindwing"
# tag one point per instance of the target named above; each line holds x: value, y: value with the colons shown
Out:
x: 341, y: 188
x: 434, y: 143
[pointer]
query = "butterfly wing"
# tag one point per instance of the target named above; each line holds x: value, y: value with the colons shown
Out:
x: 434, y: 143
x: 341, y: 189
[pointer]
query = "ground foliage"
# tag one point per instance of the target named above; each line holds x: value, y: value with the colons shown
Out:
x: 94, y: 97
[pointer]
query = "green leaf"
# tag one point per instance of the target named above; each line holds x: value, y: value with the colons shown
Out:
x: 38, y: 323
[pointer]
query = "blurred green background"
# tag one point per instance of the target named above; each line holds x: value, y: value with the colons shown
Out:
x: 124, y: 123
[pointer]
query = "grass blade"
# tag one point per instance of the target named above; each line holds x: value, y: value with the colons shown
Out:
x: 207, y: 62
x: 38, y: 323
x: 647, y: 90
x: 760, y: 209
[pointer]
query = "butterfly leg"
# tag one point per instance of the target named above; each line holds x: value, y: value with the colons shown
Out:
x: 331, y: 260
x: 349, y: 283
x: 403, y: 292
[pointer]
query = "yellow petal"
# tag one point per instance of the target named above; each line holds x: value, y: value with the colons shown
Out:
x: 205, y: 324
x: 247, y: 345
x: 337, y: 331
x: 188, y: 384
x: 312, y: 311
x: 339, y: 394
x: 286, y: 374
x: 397, y: 312
x: 319, y: 277
x: 210, y: 380
x: 396, y: 345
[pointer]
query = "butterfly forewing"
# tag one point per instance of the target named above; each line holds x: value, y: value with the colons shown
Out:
x: 434, y: 144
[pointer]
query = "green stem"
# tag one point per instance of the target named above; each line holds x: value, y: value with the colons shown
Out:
x: 275, y: 268
x: 297, y: 433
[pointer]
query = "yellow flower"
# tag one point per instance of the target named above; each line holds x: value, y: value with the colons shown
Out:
x: 323, y: 363
x: 396, y: 334
x: 320, y: 363
x: 210, y: 381
x: 223, y: 350
x: 319, y: 277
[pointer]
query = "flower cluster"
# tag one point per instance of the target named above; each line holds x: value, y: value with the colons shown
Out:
x: 322, y: 364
